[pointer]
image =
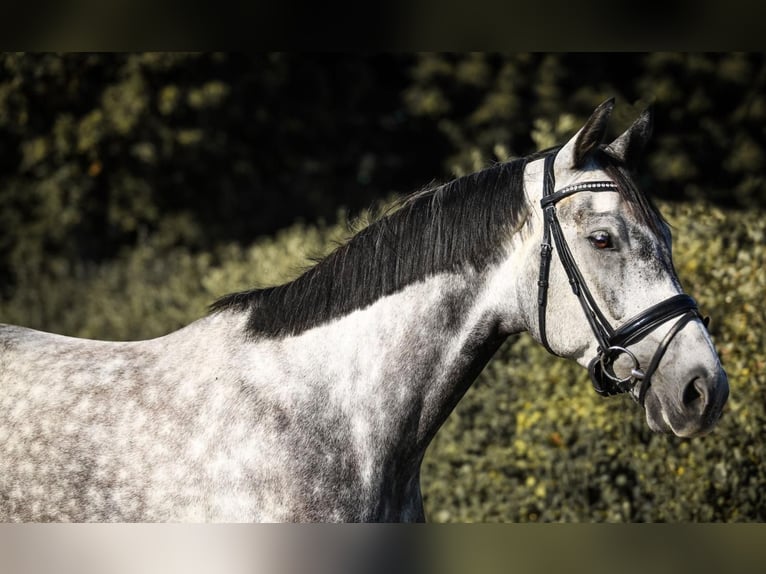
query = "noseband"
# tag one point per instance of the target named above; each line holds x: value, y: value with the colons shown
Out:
x: 612, y: 343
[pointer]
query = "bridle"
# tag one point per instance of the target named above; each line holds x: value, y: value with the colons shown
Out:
x: 612, y: 343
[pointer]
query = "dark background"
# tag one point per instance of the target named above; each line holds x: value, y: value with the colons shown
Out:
x: 100, y: 151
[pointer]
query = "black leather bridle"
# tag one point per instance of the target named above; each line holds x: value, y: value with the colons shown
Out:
x: 612, y: 343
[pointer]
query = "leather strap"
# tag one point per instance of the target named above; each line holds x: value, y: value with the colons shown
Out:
x: 645, y: 322
x: 552, y: 229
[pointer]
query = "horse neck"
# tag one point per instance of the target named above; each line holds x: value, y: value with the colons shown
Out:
x: 400, y: 365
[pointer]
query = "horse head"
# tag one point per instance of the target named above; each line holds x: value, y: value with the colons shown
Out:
x: 604, y: 291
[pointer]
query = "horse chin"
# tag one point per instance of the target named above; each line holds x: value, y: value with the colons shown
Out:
x: 658, y: 421
x: 655, y: 417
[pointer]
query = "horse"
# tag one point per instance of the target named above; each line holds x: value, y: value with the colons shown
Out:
x: 315, y: 400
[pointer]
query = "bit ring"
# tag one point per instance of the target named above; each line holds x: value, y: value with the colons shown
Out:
x: 607, y: 359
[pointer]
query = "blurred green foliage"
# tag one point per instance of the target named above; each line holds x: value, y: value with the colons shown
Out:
x: 137, y: 188
x: 100, y: 151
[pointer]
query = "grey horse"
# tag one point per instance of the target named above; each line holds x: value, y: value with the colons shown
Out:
x: 315, y: 400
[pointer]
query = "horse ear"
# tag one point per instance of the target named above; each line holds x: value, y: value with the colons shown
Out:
x: 628, y: 147
x: 589, y: 137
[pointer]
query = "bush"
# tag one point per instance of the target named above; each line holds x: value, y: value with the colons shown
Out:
x: 100, y: 151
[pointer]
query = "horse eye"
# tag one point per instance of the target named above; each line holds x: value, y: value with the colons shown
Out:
x: 601, y: 240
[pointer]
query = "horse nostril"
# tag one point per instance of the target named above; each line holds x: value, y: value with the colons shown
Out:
x: 695, y: 394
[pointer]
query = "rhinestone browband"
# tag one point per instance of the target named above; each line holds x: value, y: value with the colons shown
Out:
x: 589, y: 185
x: 551, y: 199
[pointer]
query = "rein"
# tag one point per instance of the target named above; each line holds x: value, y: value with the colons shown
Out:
x: 612, y: 343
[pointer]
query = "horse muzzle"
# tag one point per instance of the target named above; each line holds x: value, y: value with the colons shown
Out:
x: 633, y: 378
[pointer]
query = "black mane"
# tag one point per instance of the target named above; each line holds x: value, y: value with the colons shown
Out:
x: 458, y: 225
x: 452, y: 226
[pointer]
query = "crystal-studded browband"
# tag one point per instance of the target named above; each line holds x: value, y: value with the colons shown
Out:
x: 575, y: 187
x: 590, y: 185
